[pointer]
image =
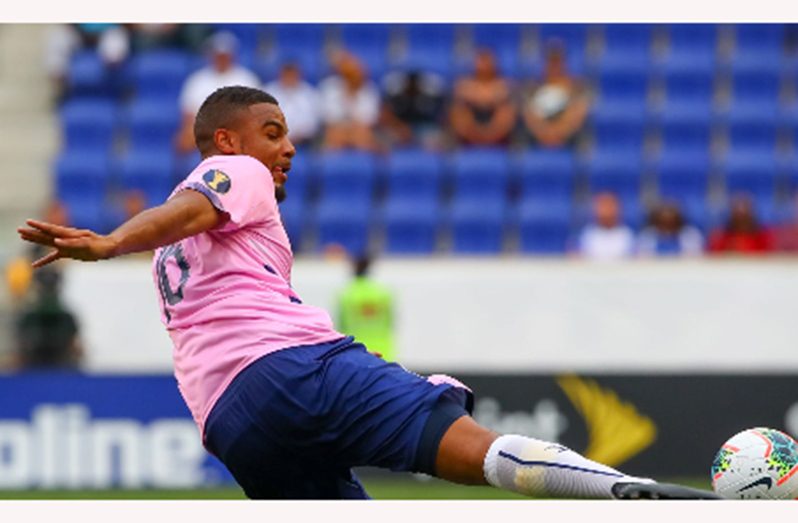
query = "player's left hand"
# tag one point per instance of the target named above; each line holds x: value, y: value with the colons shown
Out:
x: 68, y: 242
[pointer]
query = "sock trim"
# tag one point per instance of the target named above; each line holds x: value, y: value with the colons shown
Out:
x: 520, y: 461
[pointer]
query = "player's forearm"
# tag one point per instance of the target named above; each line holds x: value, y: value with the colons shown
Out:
x: 162, y: 225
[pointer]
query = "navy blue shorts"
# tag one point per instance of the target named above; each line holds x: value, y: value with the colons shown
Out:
x: 293, y: 423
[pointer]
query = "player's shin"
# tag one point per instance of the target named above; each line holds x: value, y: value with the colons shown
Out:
x: 542, y: 469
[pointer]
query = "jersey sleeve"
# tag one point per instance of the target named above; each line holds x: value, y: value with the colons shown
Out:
x: 240, y: 187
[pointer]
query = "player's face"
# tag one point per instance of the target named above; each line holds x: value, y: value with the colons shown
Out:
x: 264, y: 136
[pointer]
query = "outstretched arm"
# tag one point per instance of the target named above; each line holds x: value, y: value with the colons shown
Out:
x: 186, y: 214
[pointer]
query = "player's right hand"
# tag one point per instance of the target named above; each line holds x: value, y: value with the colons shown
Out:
x: 68, y: 242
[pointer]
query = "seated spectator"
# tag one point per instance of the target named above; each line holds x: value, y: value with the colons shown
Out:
x: 607, y: 238
x: 350, y: 105
x: 413, y: 107
x: 786, y: 234
x: 482, y: 109
x: 46, y: 330
x: 222, y: 71
x: 299, y: 101
x: 743, y: 233
x: 554, y: 110
x: 667, y: 234
x: 111, y: 41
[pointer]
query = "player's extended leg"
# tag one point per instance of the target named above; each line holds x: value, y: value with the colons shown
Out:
x: 471, y: 454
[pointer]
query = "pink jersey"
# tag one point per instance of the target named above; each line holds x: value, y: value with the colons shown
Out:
x: 225, y: 294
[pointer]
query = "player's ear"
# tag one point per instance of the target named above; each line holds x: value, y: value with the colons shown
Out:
x: 227, y: 141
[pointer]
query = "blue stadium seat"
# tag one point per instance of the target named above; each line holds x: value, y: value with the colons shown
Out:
x: 616, y: 171
x: 89, y: 124
x: 345, y: 224
x: 300, y: 177
x: 477, y: 226
x: 753, y: 125
x: 549, y: 174
x: 481, y: 173
x: 152, y: 123
x: 683, y: 175
x: 312, y: 63
x: 82, y: 175
x: 249, y: 35
x: 627, y: 39
x: 88, y: 213
x: 685, y: 125
x: 544, y: 227
x: 161, y: 73
x: 150, y: 172
x: 753, y: 172
x: 303, y: 44
x: 411, y: 226
x: 693, y: 38
x: 185, y: 163
x: 627, y: 87
x: 370, y: 42
x: 619, y: 125
x: 573, y: 36
x: 293, y: 212
x: 504, y: 40
x: 756, y: 78
x: 429, y: 47
x: 347, y: 176
x: 759, y: 38
x: 87, y: 75
x: 497, y: 35
x: 686, y: 85
x: 414, y: 174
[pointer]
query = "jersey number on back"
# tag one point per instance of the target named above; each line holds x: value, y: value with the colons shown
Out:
x: 171, y: 296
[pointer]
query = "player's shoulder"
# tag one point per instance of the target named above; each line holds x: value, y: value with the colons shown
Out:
x: 224, y: 172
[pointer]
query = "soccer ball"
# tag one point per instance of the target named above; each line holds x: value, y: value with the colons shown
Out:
x: 757, y: 463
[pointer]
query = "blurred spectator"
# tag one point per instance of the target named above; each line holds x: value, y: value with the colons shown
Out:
x: 188, y: 37
x: 667, y: 234
x: 133, y: 202
x: 222, y: 70
x: 607, y: 238
x: 350, y: 105
x: 786, y: 234
x: 554, y: 110
x: 46, y: 330
x: 111, y: 41
x: 743, y: 233
x: 299, y: 101
x: 482, y: 110
x: 18, y: 272
x: 366, y: 311
x: 413, y: 107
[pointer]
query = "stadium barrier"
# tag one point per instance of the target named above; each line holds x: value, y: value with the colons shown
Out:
x: 75, y: 431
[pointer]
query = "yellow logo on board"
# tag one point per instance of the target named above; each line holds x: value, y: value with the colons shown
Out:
x: 616, y: 430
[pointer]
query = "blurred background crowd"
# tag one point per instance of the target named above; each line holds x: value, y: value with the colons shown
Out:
x: 610, y: 140
x: 601, y: 141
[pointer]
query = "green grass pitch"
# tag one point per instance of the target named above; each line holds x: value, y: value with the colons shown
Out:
x: 407, y: 489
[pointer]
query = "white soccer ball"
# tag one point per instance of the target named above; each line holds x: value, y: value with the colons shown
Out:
x: 757, y: 463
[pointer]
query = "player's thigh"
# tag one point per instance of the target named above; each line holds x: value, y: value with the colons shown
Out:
x: 379, y: 411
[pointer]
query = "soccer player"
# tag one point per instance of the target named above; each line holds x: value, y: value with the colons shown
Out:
x: 285, y: 401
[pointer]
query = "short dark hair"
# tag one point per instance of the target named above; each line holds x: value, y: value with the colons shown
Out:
x: 220, y: 108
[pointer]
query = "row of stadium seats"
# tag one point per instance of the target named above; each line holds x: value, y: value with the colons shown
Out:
x: 759, y: 53
x: 101, y: 123
x: 552, y: 181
